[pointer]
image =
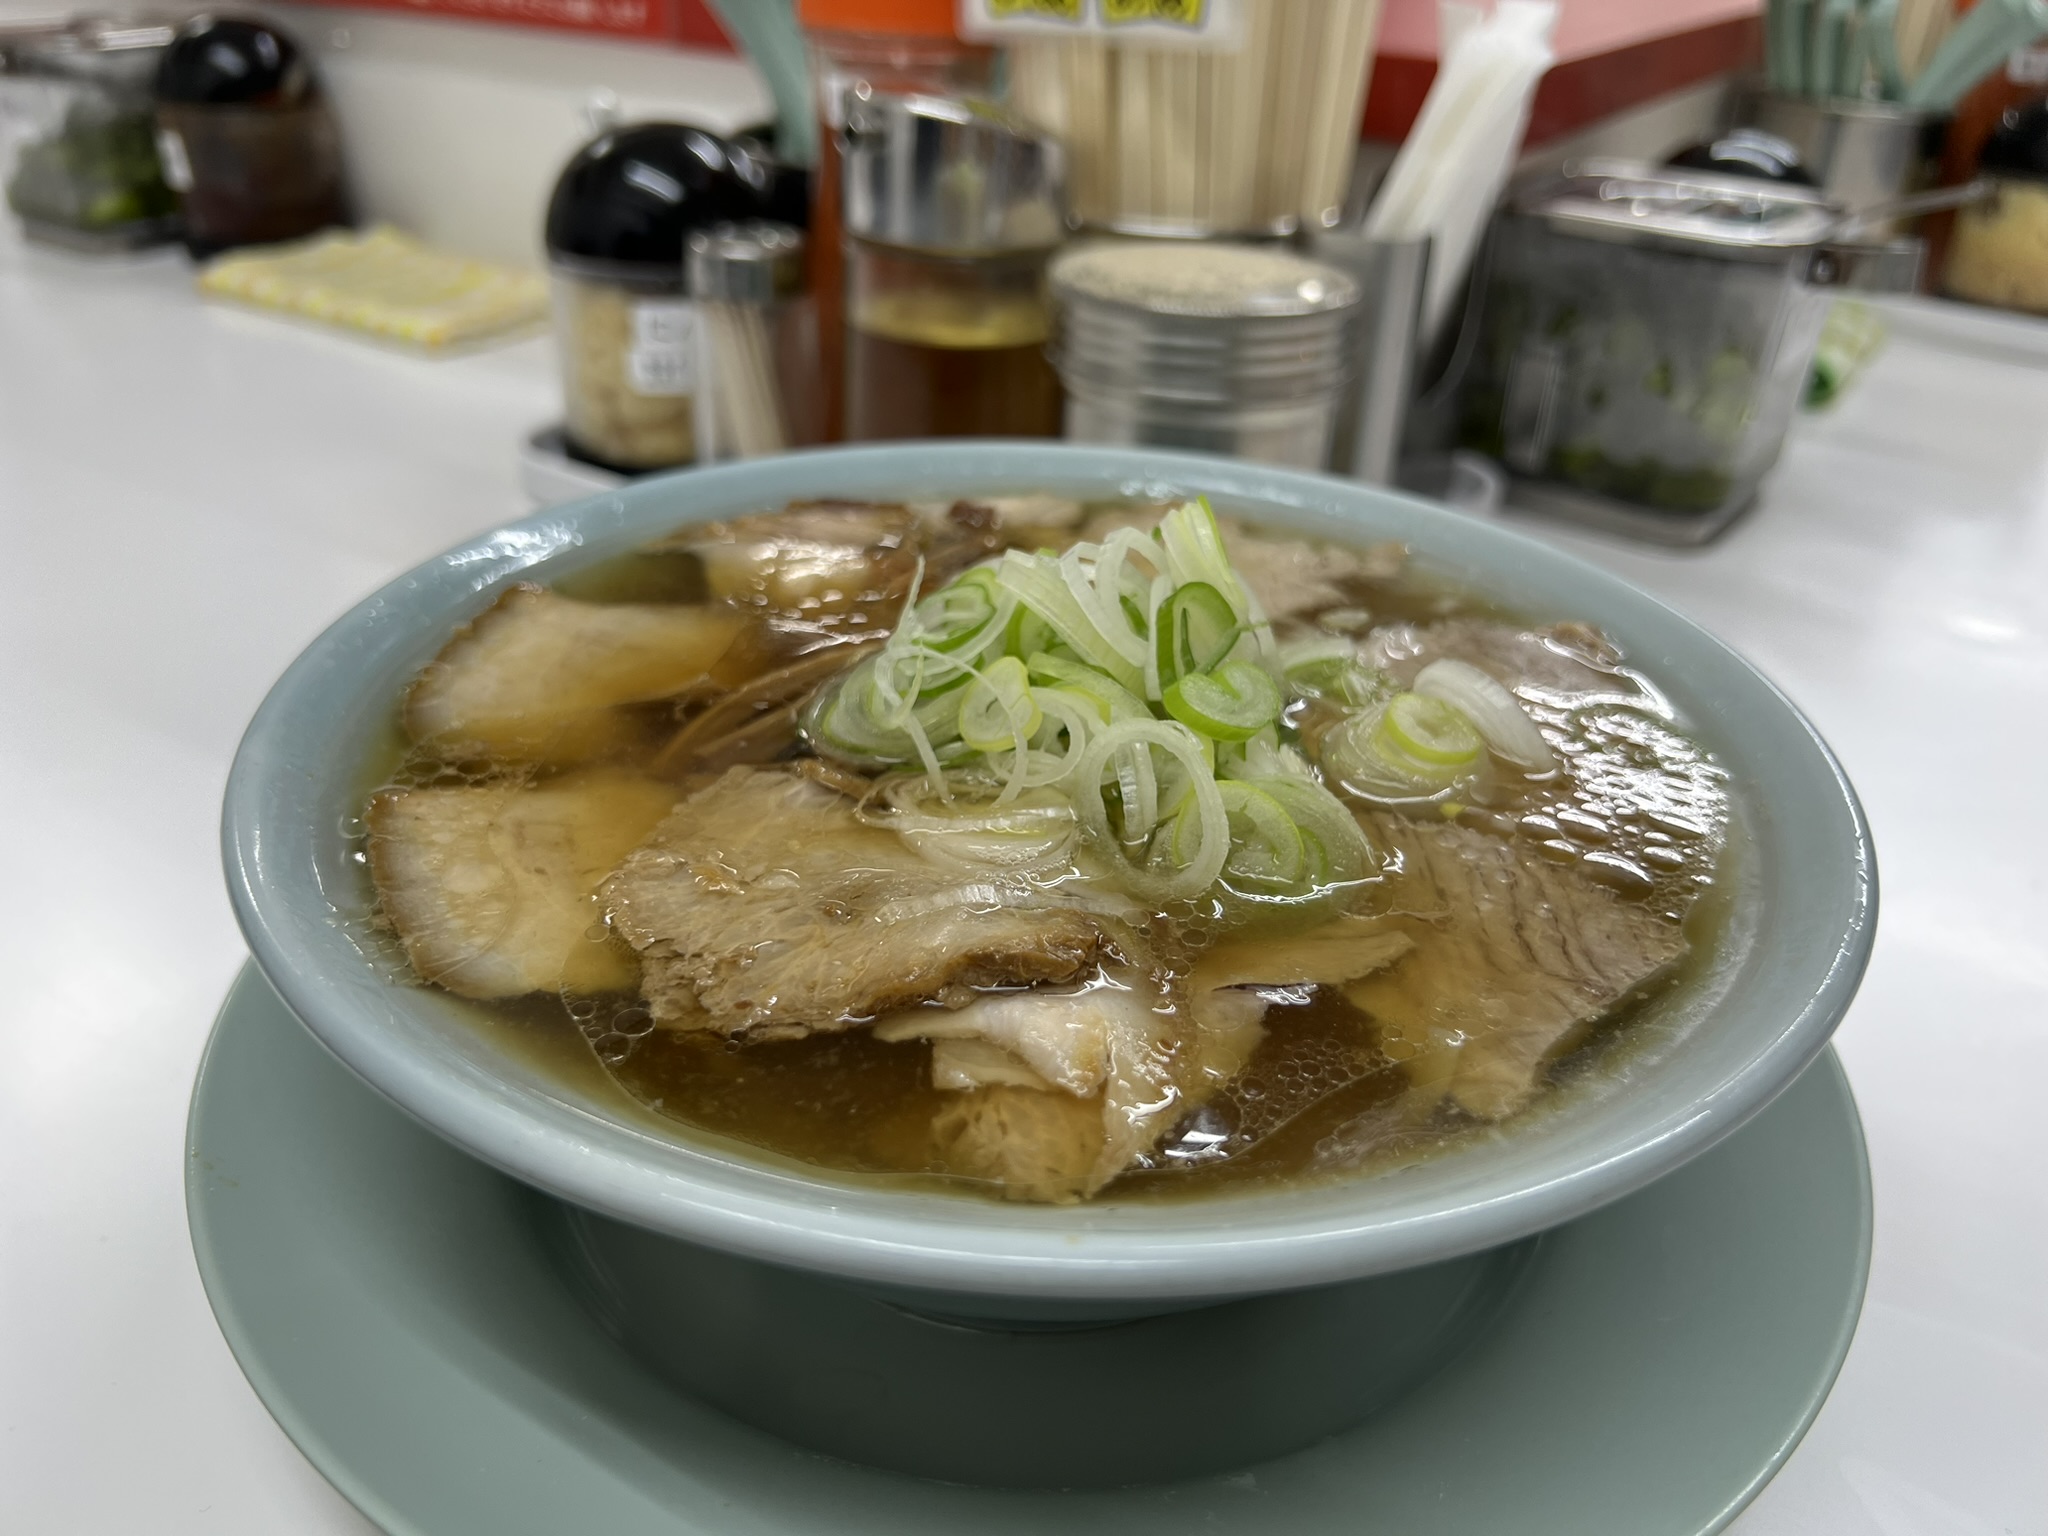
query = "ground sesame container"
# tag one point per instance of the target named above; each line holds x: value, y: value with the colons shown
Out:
x: 626, y: 328
x: 1231, y: 349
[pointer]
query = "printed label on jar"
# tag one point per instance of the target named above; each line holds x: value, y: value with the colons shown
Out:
x: 177, y: 165
x: 663, y: 357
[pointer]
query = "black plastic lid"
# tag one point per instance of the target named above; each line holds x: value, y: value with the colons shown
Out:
x: 233, y: 61
x: 784, y: 189
x: 2020, y: 147
x: 633, y: 195
x: 1747, y: 152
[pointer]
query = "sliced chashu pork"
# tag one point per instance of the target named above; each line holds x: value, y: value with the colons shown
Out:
x: 816, y: 559
x: 1117, y: 1063
x: 1044, y: 1142
x: 1536, y: 955
x: 763, y: 906
x: 539, y: 678
x: 490, y: 887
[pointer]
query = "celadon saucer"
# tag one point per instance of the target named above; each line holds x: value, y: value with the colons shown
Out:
x: 396, y: 1306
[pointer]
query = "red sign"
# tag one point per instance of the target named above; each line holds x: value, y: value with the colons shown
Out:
x: 688, y: 23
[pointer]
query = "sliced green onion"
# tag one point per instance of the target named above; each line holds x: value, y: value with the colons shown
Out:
x: 1494, y: 712
x: 1200, y: 854
x: 1193, y: 631
x: 1236, y: 701
x: 1338, y: 853
x: 998, y: 710
x: 1040, y: 583
x: 1430, y: 731
x: 965, y: 616
x: 1117, y: 701
x: 1266, y: 847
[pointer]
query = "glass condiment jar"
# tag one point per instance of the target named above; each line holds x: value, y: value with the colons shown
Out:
x: 246, y: 136
x: 77, y: 135
x: 952, y: 210
x: 1998, y: 249
x: 617, y: 225
x: 856, y: 48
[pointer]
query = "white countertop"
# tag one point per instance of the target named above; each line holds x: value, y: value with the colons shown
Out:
x: 188, y: 495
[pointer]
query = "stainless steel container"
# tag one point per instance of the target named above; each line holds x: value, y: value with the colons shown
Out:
x: 1862, y: 153
x: 1229, y: 349
x: 1392, y: 277
x: 1644, y: 341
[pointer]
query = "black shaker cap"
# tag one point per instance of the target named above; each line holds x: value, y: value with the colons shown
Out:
x: 2020, y: 146
x: 634, y: 194
x: 233, y: 61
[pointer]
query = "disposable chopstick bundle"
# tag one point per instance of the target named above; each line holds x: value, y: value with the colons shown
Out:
x: 1256, y: 136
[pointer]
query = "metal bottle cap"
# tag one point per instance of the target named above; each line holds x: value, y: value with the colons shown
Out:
x: 949, y: 174
x: 755, y: 262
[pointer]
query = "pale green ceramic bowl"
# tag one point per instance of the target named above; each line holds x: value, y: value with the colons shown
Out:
x: 1723, y: 1052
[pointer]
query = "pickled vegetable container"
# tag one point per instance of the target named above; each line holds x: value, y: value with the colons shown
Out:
x: 77, y: 138
x: 1644, y: 339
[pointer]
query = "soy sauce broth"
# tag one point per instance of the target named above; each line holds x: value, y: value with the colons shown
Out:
x: 1322, y: 1095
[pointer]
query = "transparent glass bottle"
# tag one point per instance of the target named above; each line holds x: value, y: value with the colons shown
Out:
x: 952, y: 213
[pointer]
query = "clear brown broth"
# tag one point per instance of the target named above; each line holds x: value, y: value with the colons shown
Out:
x: 851, y: 1103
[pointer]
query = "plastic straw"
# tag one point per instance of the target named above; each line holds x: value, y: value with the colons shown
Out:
x: 1449, y: 173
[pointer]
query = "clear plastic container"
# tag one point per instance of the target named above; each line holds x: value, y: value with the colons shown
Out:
x: 628, y: 345
x: 78, y: 151
x: 1645, y: 340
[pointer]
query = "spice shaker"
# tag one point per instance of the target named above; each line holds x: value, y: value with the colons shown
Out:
x: 1998, y: 250
x: 246, y: 136
x: 951, y: 209
x: 617, y: 224
x: 1232, y: 349
x: 756, y: 346
x: 75, y: 113
x: 1645, y: 338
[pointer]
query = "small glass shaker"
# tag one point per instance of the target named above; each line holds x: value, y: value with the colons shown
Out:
x: 756, y: 341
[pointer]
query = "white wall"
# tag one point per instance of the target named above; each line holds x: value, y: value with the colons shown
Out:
x: 455, y: 131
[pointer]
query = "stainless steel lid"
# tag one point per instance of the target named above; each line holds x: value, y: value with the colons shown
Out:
x: 1200, y: 280
x: 949, y: 174
x: 1706, y: 212
x: 755, y: 262
x: 1201, y: 324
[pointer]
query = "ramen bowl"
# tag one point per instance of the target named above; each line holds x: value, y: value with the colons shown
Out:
x: 644, y: 1214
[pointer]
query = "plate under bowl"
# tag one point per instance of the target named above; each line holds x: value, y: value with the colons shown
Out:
x: 1809, y: 917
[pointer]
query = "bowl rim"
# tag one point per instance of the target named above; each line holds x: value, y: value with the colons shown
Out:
x: 938, y: 1242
